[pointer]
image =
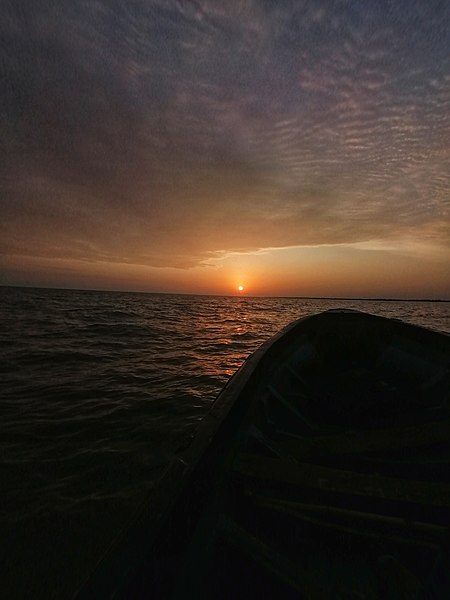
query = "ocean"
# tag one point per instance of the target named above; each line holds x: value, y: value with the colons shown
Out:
x: 98, y: 389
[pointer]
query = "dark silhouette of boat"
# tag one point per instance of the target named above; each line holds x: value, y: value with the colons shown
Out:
x: 321, y: 471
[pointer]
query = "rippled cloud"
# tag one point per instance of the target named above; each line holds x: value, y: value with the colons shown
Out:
x: 165, y: 133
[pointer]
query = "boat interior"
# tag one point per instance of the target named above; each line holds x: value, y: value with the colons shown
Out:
x: 351, y: 372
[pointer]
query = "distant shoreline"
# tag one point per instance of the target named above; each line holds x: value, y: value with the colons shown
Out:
x: 242, y: 296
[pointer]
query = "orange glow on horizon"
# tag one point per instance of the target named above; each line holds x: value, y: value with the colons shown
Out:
x: 311, y: 272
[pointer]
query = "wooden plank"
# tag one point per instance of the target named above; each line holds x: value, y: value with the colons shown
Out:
x: 353, y: 442
x: 290, y: 406
x: 268, y: 557
x: 354, y: 515
x: 392, y: 529
x: 340, y: 481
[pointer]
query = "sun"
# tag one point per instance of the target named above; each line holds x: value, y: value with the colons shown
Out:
x: 240, y: 288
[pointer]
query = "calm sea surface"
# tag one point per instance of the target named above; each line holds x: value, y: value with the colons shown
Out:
x: 98, y: 389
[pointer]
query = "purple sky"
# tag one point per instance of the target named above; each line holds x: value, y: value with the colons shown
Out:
x: 177, y: 145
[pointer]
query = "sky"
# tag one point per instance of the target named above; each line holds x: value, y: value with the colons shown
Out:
x: 290, y: 147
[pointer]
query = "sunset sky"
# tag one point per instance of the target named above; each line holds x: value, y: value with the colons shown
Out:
x: 293, y: 148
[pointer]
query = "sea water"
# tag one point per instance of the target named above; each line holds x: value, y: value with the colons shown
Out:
x: 98, y: 389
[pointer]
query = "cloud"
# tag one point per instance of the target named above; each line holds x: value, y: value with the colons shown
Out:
x: 162, y: 133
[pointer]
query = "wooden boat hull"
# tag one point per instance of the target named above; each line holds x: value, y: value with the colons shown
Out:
x: 321, y: 471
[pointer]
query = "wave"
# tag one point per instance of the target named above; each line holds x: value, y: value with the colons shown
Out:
x: 99, y: 389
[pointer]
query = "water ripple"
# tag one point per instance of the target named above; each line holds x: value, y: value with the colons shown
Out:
x: 99, y: 389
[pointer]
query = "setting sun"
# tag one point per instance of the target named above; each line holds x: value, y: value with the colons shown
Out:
x: 240, y: 288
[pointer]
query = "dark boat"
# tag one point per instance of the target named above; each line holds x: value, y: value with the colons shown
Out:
x: 321, y: 471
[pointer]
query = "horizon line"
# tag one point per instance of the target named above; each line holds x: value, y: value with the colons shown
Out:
x: 346, y: 298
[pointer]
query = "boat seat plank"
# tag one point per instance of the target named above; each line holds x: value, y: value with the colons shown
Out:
x: 353, y: 442
x: 340, y: 481
x: 430, y: 529
x: 360, y: 532
x: 357, y: 523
